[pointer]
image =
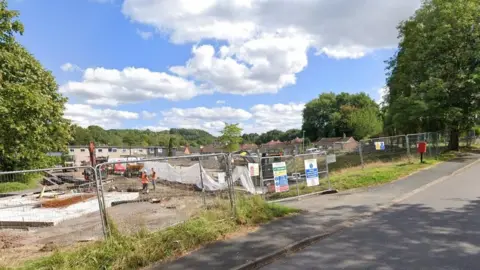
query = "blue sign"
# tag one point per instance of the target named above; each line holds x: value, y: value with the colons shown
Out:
x: 311, y: 172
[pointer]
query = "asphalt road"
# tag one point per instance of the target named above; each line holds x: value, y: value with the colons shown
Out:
x: 437, y: 228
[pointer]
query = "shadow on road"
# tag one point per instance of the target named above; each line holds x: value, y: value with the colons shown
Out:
x: 406, y: 236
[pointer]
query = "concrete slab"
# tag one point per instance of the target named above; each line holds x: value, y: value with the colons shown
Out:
x: 25, y: 210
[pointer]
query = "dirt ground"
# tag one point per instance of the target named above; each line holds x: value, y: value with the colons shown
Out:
x: 177, y: 203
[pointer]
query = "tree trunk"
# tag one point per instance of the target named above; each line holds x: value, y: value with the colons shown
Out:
x: 453, y: 144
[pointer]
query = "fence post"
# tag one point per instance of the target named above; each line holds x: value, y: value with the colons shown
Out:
x: 296, y: 176
x: 359, y: 151
x: 230, y: 178
x: 328, y: 173
x: 101, y: 205
x: 264, y: 195
x: 201, y: 180
x: 408, y: 147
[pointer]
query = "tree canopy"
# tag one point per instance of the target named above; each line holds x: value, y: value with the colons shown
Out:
x: 332, y: 115
x: 31, y: 108
x: 434, y: 78
x: 126, y: 137
x: 231, y: 137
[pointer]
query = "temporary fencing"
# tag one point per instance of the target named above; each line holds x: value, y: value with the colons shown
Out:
x: 182, y: 186
x: 289, y: 175
x: 62, y: 204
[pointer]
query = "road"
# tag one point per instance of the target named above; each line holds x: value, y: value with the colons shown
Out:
x: 436, y: 228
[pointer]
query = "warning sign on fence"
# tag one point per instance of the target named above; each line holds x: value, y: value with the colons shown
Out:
x: 253, y: 169
x: 280, y: 176
x: 311, y: 172
x: 379, y: 145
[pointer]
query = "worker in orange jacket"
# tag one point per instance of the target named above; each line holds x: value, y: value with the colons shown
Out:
x: 144, y: 179
x: 154, y: 178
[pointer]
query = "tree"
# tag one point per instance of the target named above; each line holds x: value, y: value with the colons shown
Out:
x: 231, y: 137
x: 31, y: 109
x: 435, y: 75
x: 291, y: 134
x: 332, y: 115
x: 250, y: 138
x: 273, y: 134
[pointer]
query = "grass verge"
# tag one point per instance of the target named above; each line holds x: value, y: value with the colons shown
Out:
x: 144, y: 248
x: 28, y: 183
x: 373, y: 174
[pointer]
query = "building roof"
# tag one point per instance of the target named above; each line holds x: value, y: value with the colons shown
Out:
x: 333, y: 140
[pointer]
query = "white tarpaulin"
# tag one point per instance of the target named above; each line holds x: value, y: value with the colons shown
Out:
x: 191, y: 176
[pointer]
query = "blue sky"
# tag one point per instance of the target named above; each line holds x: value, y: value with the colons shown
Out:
x: 162, y: 63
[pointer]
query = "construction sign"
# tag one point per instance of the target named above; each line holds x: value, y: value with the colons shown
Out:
x: 379, y: 145
x: 280, y: 176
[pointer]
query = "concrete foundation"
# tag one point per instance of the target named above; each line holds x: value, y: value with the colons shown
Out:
x: 25, y: 211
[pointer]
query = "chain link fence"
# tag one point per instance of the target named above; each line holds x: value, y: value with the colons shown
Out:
x: 164, y: 191
x: 49, y: 208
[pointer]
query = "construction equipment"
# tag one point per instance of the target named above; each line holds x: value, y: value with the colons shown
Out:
x: 69, y: 161
x: 88, y: 173
x: 133, y: 170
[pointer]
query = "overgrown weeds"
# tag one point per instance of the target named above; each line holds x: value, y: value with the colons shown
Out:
x: 144, y: 248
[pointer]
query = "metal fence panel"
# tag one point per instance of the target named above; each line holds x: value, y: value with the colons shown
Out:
x: 53, y: 206
x: 175, y: 189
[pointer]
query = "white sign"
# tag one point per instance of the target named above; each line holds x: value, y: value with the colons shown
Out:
x: 253, y: 169
x: 221, y: 177
x: 331, y: 158
x: 311, y: 172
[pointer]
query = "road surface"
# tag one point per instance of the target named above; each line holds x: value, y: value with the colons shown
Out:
x: 437, y: 228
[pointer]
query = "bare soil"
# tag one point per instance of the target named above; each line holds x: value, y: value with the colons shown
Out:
x: 173, y: 204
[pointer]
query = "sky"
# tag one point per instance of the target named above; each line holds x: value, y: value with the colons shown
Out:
x: 160, y: 64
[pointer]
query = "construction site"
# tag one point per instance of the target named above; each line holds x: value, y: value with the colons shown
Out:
x: 64, y: 210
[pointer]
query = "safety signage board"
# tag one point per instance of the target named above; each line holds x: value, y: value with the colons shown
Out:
x: 280, y: 176
x: 379, y: 145
x: 253, y: 169
x: 311, y: 172
x: 331, y: 158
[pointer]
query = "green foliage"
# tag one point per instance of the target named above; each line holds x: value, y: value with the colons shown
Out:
x: 231, y: 137
x: 195, y: 137
x: 250, y: 138
x: 434, y: 78
x: 274, y: 134
x: 144, y: 248
x: 124, y: 137
x: 332, y: 115
x: 365, y: 123
x: 30, y: 106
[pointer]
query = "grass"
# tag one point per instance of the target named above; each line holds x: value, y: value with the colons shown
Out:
x: 144, y: 248
x: 29, y: 182
x: 375, y: 173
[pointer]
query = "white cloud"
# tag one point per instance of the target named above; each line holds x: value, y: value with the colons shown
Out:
x: 146, y: 35
x: 259, y: 119
x: 381, y: 95
x: 153, y: 128
x: 148, y: 115
x: 85, y: 115
x: 69, y: 67
x: 111, y: 87
x: 267, y: 41
x: 335, y: 26
x: 277, y: 116
x: 261, y: 65
x: 210, y: 119
x: 220, y: 102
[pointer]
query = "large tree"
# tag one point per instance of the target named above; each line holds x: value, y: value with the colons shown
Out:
x: 434, y: 78
x: 31, y: 108
x: 332, y: 115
